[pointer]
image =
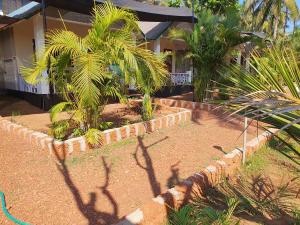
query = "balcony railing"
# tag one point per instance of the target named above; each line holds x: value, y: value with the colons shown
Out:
x: 182, y: 78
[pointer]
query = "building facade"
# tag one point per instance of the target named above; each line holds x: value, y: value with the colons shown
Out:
x: 22, y: 40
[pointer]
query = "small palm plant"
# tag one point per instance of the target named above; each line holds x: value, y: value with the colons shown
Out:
x: 80, y: 70
x: 194, y: 214
x: 211, y: 41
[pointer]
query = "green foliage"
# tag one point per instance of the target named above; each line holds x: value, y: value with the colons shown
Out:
x: 210, y: 215
x: 215, y: 6
x: 175, y: 3
x: 93, y: 136
x: 269, y: 15
x: 292, y: 40
x: 58, y: 108
x: 78, y: 67
x: 183, y: 216
x: 211, y: 41
x: 198, y: 213
x: 60, y: 129
x: 77, y: 132
x: 271, y: 92
x: 297, y: 217
x: 105, y: 125
x: 257, y: 163
x: 147, y: 108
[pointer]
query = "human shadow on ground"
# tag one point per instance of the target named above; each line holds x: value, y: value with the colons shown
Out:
x: 174, y: 179
x: 88, y: 210
x: 155, y: 185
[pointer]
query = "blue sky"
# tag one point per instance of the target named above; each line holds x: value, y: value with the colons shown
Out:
x: 290, y: 25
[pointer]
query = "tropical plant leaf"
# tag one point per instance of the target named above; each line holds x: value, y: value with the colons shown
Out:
x: 93, y: 136
x: 58, y: 108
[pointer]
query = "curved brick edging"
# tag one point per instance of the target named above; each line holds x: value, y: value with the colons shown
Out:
x: 79, y: 144
x: 156, y: 211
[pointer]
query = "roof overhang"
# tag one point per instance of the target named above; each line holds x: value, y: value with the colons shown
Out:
x: 6, y: 21
x: 153, y: 30
x: 260, y: 35
x: 145, y: 12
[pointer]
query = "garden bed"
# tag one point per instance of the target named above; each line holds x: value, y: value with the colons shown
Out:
x: 118, y: 114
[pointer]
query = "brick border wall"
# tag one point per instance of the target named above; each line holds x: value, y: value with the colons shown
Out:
x: 79, y: 144
x: 155, y: 212
x: 184, y: 104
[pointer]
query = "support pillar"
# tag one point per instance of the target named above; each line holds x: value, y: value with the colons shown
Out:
x: 157, y: 46
x: 173, y: 61
x: 39, y: 37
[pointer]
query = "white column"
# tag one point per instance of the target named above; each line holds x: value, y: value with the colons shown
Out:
x: 39, y: 37
x: 157, y: 46
x: 173, y: 61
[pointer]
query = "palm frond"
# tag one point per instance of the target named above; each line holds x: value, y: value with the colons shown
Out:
x: 58, y: 108
x: 270, y: 94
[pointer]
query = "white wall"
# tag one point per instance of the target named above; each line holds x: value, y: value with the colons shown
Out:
x: 19, y: 47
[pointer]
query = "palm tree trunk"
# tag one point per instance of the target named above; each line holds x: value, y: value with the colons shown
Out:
x: 276, y: 24
x: 285, y: 20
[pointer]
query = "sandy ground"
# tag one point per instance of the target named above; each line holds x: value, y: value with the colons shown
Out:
x: 101, y: 186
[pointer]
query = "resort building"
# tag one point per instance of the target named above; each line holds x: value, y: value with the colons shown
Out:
x: 23, y: 25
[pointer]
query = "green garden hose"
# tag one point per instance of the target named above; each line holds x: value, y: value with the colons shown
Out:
x: 6, y: 213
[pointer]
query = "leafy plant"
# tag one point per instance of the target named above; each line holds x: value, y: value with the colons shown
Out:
x: 88, y: 71
x: 183, y: 216
x: 93, y: 136
x: 212, y: 40
x: 215, y: 6
x: 296, y: 217
x: 209, y: 215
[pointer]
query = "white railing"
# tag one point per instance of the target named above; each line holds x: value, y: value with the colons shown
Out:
x: 181, y: 78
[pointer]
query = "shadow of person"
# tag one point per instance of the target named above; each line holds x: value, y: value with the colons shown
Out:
x: 174, y: 178
x: 155, y: 185
x: 88, y: 210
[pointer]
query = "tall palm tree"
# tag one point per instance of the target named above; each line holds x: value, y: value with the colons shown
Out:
x: 80, y: 67
x: 270, y: 10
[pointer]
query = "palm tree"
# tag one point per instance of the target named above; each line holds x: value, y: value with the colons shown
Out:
x: 80, y: 67
x: 271, y: 10
x: 212, y: 39
x: 270, y: 94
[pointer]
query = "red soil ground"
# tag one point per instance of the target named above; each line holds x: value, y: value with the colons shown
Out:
x: 101, y: 186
